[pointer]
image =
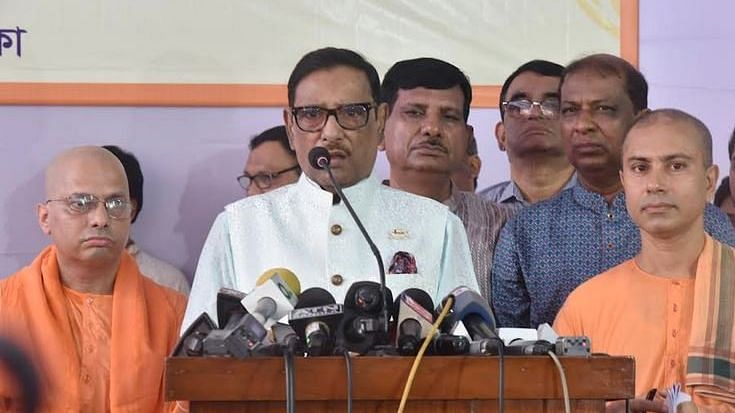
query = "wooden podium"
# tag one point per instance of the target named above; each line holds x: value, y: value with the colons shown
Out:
x: 443, y: 384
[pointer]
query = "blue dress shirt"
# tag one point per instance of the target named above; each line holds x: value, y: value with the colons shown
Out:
x: 549, y: 248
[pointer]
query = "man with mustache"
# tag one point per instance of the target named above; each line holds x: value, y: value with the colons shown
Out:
x: 426, y: 137
x: 672, y: 305
x: 529, y: 133
x: 334, y: 102
x: 98, y: 330
x: 550, y: 248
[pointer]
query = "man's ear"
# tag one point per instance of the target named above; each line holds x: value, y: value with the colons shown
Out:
x: 475, y: 165
x: 622, y: 179
x: 500, y: 136
x: 288, y: 121
x: 711, y: 175
x: 381, y: 115
x: 42, y: 211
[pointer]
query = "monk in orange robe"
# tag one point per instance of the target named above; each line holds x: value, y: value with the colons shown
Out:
x: 672, y: 306
x: 96, y: 328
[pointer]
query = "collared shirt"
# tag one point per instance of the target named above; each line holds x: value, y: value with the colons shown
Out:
x: 422, y: 244
x: 507, y: 192
x: 158, y: 270
x: 549, y: 248
x: 482, y: 221
x: 641, y: 315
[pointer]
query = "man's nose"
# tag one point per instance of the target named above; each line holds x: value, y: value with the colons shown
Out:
x: 98, y: 216
x: 431, y: 125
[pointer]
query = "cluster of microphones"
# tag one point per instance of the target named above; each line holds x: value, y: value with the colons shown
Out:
x: 368, y: 322
x: 252, y: 324
x: 318, y: 326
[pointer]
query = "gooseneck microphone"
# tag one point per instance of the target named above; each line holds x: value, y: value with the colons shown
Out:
x: 319, y: 158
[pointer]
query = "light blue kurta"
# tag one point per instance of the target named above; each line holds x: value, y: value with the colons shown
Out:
x: 290, y: 227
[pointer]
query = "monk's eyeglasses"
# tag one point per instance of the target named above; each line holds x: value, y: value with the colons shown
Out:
x: 117, y: 207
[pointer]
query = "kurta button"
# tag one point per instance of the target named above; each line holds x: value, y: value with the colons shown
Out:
x: 336, y: 230
x: 337, y: 279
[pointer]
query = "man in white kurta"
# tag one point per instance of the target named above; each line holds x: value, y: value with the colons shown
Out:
x: 333, y: 103
x: 299, y: 228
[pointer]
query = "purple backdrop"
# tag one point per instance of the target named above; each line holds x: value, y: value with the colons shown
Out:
x: 190, y: 156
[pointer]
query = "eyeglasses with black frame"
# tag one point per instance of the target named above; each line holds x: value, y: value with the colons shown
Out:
x: 263, y: 180
x: 548, y: 107
x: 117, y: 207
x: 351, y: 116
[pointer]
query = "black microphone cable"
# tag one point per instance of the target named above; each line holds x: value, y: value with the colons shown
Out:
x: 319, y: 158
x: 290, y: 393
x: 501, y: 364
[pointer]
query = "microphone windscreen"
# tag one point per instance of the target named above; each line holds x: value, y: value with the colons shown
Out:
x: 364, y: 296
x: 466, y: 302
x: 313, y: 297
x: 421, y: 297
x: 319, y: 157
x: 286, y: 275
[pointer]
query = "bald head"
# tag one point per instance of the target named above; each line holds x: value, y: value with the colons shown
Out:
x: 696, y: 128
x: 86, y: 214
x: 79, y: 162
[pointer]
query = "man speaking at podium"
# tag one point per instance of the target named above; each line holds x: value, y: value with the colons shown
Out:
x: 333, y: 97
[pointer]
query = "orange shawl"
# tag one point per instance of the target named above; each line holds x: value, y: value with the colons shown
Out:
x: 145, y: 324
x: 711, y: 359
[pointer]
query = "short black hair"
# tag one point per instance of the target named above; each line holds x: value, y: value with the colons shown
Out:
x: 328, y: 58
x: 723, y: 192
x: 538, y: 66
x: 731, y: 144
x: 134, y: 174
x: 424, y: 72
x: 274, y: 134
x: 605, y: 65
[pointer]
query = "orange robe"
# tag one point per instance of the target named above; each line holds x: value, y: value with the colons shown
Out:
x: 145, y: 318
x: 626, y: 311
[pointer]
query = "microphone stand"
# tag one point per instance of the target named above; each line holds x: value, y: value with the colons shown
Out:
x: 323, y: 162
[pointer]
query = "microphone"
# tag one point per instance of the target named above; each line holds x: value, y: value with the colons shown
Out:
x: 273, y: 297
x: 529, y: 348
x: 315, y: 319
x: 319, y: 158
x: 474, y: 312
x: 229, y: 305
x: 413, y: 315
x: 285, y: 337
x: 362, y: 325
x: 191, y: 342
x: 449, y: 345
